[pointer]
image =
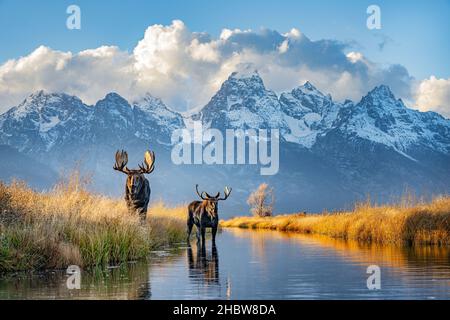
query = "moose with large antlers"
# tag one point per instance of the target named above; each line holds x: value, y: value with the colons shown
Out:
x: 204, y: 214
x: 137, y: 187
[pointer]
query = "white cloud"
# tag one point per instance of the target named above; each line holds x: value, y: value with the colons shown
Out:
x: 355, y: 57
x: 293, y: 33
x: 434, y: 94
x: 284, y: 46
x: 88, y: 74
x: 186, y: 68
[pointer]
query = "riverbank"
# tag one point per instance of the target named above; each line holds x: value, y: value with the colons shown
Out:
x: 71, y: 226
x: 421, y: 223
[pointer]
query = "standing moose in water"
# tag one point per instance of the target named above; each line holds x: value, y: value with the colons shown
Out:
x: 204, y: 214
x: 137, y: 187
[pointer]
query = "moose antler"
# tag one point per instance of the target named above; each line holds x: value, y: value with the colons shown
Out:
x: 227, y: 192
x: 200, y: 194
x: 149, y: 162
x: 121, y: 161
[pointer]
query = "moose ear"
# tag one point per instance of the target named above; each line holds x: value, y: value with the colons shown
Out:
x: 208, y: 195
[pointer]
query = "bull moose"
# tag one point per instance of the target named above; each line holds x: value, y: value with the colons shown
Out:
x: 137, y: 187
x: 204, y: 214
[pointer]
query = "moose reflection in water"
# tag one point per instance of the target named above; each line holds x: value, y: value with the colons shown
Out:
x: 203, y: 267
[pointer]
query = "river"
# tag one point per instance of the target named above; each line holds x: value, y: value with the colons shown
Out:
x: 250, y: 264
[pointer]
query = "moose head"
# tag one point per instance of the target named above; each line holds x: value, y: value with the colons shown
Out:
x: 210, y: 202
x: 137, y: 188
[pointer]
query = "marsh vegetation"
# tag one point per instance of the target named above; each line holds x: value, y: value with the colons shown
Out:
x: 71, y: 225
x: 408, y: 222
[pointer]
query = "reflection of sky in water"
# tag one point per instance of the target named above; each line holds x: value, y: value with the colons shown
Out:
x: 261, y: 265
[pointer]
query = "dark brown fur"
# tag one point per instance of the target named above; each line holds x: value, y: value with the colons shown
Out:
x: 137, y: 194
x: 203, y: 214
x: 137, y: 187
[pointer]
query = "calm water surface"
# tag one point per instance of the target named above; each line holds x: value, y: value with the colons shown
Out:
x: 255, y: 265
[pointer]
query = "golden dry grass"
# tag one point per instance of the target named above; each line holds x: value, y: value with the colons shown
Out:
x: 421, y: 223
x: 70, y: 225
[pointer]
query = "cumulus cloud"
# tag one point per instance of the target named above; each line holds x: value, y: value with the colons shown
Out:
x: 434, y: 94
x: 186, y: 68
x: 88, y: 74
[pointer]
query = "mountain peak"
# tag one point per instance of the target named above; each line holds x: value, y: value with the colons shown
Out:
x: 41, y: 99
x: 308, y: 86
x: 113, y: 96
x: 42, y: 95
x: 149, y: 102
x: 245, y: 74
x: 147, y: 97
x: 307, y: 89
x: 381, y: 97
x: 113, y: 102
x: 243, y: 80
x: 38, y: 93
x: 382, y: 91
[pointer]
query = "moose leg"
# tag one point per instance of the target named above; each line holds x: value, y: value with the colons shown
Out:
x: 203, y: 237
x: 199, y: 231
x: 190, y: 224
x: 143, y: 213
x: 214, y: 232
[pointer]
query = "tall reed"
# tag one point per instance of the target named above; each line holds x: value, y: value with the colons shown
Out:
x: 408, y: 222
x: 70, y: 225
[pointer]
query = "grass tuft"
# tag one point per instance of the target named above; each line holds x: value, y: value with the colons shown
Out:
x: 70, y: 225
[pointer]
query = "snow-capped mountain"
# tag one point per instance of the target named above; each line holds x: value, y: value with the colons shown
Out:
x: 153, y: 116
x: 308, y: 113
x: 43, y: 121
x: 113, y: 120
x: 243, y: 102
x: 305, y: 113
x: 381, y: 118
x: 331, y: 153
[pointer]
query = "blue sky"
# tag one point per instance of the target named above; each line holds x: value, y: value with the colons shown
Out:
x: 418, y: 31
x: 410, y: 52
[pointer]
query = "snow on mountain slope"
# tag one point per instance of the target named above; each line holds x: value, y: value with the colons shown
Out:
x: 304, y: 99
x: 300, y: 132
x: 336, y: 153
x: 243, y: 102
x: 308, y: 113
x: 153, y: 119
x: 43, y: 120
x: 381, y: 118
x: 113, y: 119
